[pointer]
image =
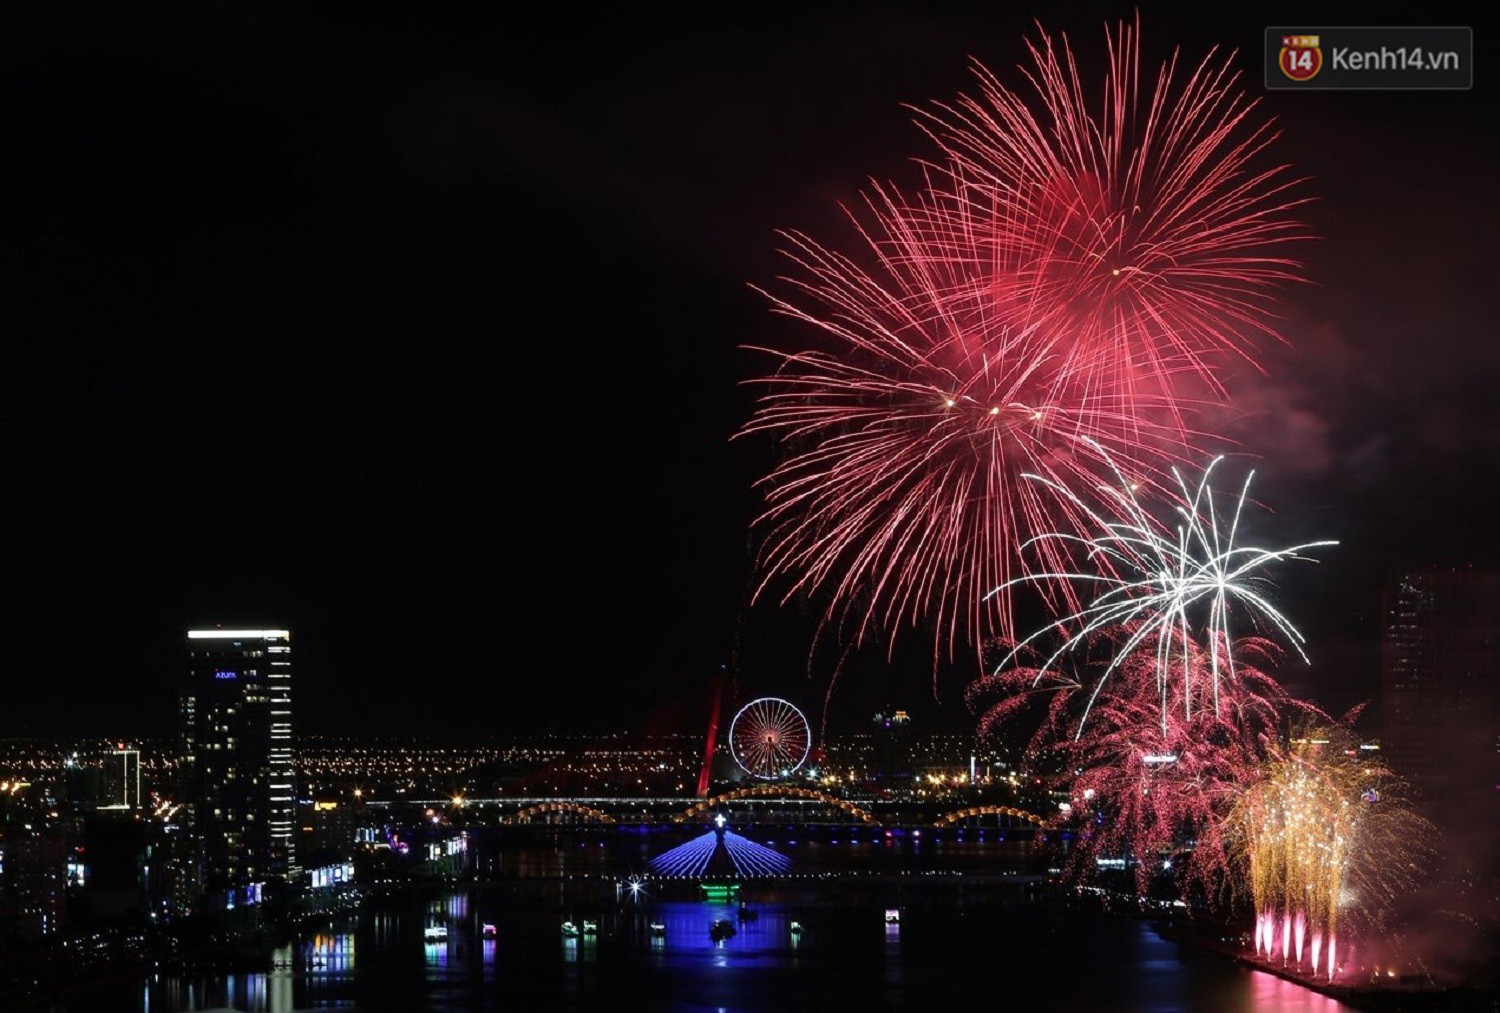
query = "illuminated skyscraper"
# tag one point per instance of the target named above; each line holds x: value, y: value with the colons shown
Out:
x: 237, y: 755
x: 1440, y: 692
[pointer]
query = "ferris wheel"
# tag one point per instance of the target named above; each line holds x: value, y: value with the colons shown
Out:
x: 769, y: 738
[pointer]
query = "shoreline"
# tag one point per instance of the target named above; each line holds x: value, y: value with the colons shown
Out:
x: 1370, y: 998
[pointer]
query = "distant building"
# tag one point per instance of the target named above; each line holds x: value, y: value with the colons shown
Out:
x: 172, y: 882
x: 121, y: 780
x: 118, y: 857
x: 34, y: 881
x: 1440, y: 683
x: 82, y: 787
x: 236, y: 724
x: 892, y: 740
x: 327, y: 830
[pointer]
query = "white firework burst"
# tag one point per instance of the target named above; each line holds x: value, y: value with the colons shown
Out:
x: 1174, y: 584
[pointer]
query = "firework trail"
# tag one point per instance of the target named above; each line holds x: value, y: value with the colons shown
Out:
x: 1049, y: 302
x: 1327, y: 837
x: 1173, y: 587
x: 1139, y: 786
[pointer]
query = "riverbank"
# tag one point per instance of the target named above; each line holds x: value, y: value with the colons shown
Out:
x: 37, y: 973
x: 1398, y: 996
x: 33, y: 976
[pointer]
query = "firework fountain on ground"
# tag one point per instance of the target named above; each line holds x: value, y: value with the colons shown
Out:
x: 1327, y: 838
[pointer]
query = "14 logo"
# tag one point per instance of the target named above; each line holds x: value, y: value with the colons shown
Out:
x: 1300, y: 57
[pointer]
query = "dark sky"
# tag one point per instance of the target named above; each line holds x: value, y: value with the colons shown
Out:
x: 425, y: 341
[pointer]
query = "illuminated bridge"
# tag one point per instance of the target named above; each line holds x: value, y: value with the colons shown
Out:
x: 748, y: 806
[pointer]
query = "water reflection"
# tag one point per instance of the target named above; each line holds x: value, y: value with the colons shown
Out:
x: 1270, y: 992
x: 936, y: 954
x: 282, y: 974
x: 324, y: 953
x: 261, y: 992
x: 952, y: 946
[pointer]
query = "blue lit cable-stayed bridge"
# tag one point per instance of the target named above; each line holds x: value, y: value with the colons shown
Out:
x: 720, y: 851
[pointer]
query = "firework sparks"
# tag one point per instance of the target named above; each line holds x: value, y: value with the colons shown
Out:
x: 1138, y: 786
x: 1172, y: 586
x: 1042, y: 306
x: 1327, y: 838
x: 903, y: 493
x: 1141, y: 229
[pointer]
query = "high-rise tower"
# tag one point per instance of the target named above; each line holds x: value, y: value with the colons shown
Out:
x: 237, y: 755
x: 1440, y: 691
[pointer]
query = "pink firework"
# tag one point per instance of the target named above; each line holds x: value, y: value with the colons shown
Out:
x: 1002, y: 323
x: 1143, y: 229
x: 1140, y: 786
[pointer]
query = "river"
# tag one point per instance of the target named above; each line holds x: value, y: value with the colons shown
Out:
x: 984, y: 939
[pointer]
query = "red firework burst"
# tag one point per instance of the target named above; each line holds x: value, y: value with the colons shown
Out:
x: 1041, y: 307
x: 1142, y: 230
x: 1155, y: 765
x: 903, y: 491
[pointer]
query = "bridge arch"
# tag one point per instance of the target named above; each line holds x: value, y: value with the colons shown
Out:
x: 959, y: 815
x: 573, y: 808
x: 773, y: 791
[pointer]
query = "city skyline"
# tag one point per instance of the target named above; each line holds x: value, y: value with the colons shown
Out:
x: 427, y: 345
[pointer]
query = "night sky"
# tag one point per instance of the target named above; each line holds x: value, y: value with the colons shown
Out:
x: 426, y: 342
